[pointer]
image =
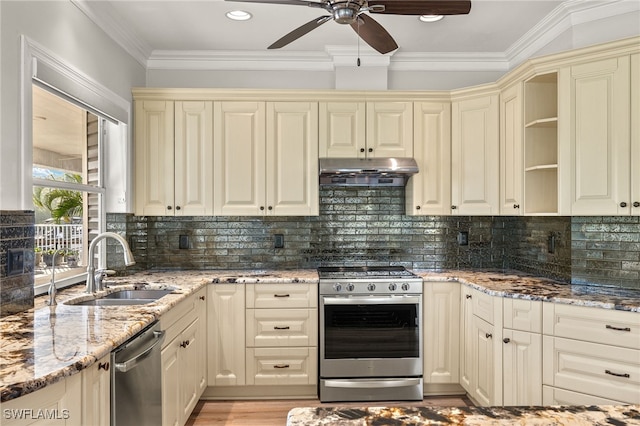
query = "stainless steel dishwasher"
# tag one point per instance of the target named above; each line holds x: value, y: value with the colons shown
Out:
x: 136, y: 385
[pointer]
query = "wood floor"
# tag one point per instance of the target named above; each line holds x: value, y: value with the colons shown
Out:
x: 274, y: 412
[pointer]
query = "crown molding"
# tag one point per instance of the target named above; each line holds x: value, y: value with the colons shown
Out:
x: 102, y: 15
x: 561, y: 19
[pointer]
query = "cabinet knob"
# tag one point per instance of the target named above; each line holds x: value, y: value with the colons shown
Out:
x: 506, y: 340
x: 177, y: 207
x: 103, y: 366
x: 184, y: 344
x: 623, y: 204
x: 270, y: 208
x: 370, y: 149
x: 168, y: 207
x: 417, y: 207
x: 516, y: 206
x: 636, y: 204
x: 201, y: 297
x: 454, y: 207
x: 261, y: 207
x: 468, y: 296
x: 361, y: 149
x: 488, y: 335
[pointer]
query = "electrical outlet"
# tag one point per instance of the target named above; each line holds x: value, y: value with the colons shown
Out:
x: 15, y: 261
x: 278, y: 241
x: 463, y: 238
x: 184, y: 242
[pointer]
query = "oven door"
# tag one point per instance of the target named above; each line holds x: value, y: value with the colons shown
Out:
x: 370, y: 336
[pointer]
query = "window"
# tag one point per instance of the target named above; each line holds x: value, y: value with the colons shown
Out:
x: 67, y: 190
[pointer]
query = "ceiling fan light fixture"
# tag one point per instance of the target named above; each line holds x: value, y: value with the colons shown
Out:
x: 430, y: 18
x: 238, y: 15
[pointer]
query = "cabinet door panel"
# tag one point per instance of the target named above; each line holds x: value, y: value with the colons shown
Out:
x: 154, y: 151
x: 475, y: 178
x: 522, y: 368
x: 511, y: 159
x: 342, y: 129
x: 429, y: 192
x: 599, y: 129
x: 484, y: 368
x: 441, y: 332
x: 239, y: 158
x: 635, y: 134
x: 171, y: 384
x: 193, y: 158
x: 390, y: 129
x: 292, y: 158
x: 282, y: 366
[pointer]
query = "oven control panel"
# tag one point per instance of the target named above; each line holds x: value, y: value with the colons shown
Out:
x: 413, y: 286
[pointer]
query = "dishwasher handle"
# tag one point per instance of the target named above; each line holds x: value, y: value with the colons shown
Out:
x: 129, y: 364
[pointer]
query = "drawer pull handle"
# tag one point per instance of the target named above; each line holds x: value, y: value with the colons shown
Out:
x: 286, y: 327
x: 103, y: 366
x: 610, y: 327
x: 281, y: 366
x: 506, y: 340
x: 467, y: 296
x: 488, y: 335
x: 611, y: 373
x: 281, y: 295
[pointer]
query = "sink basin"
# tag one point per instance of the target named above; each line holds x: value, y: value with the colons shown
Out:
x: 124, y: 297
x: 138, y: 294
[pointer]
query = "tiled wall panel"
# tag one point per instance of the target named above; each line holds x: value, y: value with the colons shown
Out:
x: 16, y: 289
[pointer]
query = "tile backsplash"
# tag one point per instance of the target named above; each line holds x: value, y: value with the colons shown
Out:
x: 16, y: 287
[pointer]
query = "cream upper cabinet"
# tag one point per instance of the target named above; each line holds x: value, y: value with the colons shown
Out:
x: 475, y: 145
x: 173, y: 149
x: 511, y: 166
x: 429, y: 192
x: 366, y: 129
x: 598, y: 102
x: 266, y: 158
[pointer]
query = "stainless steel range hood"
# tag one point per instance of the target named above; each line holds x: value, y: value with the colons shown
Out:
x: 367, y: 172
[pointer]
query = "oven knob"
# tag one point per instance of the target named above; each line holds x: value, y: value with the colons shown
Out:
x: 392, y: 287
x: 371, y: 287
x: 337, y: 287
x: 406, y: 286
x: 350, y: 287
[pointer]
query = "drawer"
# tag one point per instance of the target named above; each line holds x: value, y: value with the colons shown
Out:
x: 598, y: 370
x: 282, y: 366
x: 281, y: 327
x: 597, y: 325
x: 555, y: 396
x: 484, y: 306
x: 279, y: 296
x: 180, y: 316
x: 523, y: 315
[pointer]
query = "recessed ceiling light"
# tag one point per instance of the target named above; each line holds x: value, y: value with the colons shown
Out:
x: 239, y: 15
x: 430, y: 18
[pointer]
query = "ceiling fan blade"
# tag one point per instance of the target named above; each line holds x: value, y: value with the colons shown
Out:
x: 422, y: 7
x: 288, y: 2
x: 374, y: 34
x: 299, y: 32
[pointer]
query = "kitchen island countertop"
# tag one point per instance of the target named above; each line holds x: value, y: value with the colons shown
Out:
x: 481, y: 416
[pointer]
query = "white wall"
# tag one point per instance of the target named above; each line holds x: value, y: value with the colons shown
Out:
x: 61, y: 28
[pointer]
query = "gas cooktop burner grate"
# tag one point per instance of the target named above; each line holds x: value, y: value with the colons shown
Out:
x: 355, y: 272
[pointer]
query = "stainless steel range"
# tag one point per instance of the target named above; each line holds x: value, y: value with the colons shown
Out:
x: 370, y: 334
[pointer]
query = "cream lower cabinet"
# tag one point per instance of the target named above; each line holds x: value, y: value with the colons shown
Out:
x: 591, y: 354
x: 522, y: 352
x: 183, y: 358
x: 429, y: 191
x: 96, y: 393
x: 59, y: 404
x: 597, y: 101
x: 174, y: 153
x: 441, y: 339
x: 266, y: 158
x: 480, y: 346
x: 475, y: 155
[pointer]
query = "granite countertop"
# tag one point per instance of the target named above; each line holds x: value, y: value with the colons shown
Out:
x: 547, y: 416
x: 44, y: 344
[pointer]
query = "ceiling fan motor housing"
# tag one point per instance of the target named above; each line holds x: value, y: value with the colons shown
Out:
x: 345, y: 12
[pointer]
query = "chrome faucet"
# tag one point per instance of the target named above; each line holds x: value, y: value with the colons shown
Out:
x: 94, y: 278
x: 52, y: 285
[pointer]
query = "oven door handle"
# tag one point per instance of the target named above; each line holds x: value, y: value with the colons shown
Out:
x: 375, y: 383
x: 371, y: 300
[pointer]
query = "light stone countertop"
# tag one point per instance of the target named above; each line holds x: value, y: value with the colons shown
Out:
x: 42, y: 345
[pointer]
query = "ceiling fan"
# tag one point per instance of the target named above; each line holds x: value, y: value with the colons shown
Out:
x: 353, y: 12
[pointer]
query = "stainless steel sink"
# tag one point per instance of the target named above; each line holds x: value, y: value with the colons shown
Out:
x: 138, y: 294
x: 124, y: 297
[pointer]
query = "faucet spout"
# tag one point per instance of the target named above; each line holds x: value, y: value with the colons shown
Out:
x: 91, y: 270
x: 52, y: 285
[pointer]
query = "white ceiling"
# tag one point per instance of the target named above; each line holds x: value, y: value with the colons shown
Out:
x: 500, y: 29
